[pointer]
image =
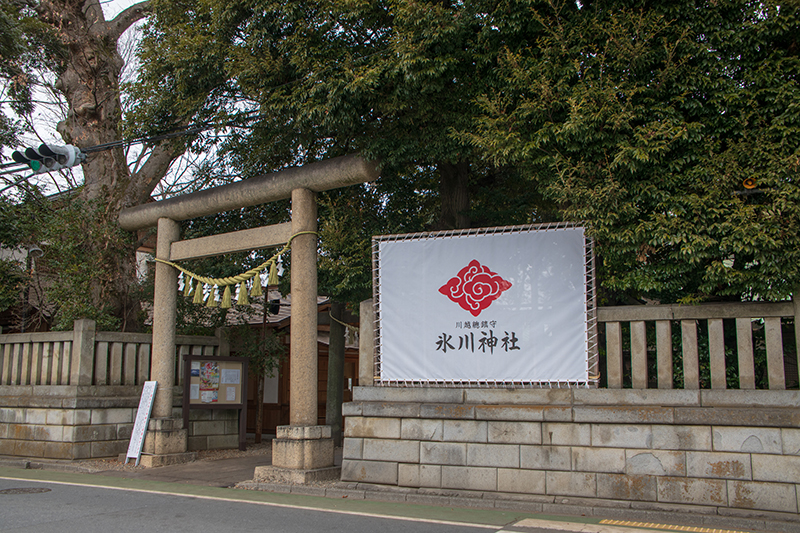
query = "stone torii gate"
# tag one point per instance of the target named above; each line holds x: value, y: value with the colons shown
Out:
x: 302, y: 449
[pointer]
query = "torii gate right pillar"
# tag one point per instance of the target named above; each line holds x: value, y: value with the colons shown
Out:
x: 303, y: 378
x: 303, y: 450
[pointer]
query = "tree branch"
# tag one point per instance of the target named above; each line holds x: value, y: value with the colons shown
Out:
x: 144, y: 181
x: 116, y: 27
x: 93, y: 12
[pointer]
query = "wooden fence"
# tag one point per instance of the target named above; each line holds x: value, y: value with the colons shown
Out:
x: 717, y: 346
x: 88, y: 357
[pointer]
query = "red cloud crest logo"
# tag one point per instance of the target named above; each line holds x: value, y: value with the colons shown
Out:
x: 475, y: 287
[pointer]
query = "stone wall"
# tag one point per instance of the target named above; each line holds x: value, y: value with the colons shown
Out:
x: 66, y: 422
x: 212, y: 429
x: 725, y: 452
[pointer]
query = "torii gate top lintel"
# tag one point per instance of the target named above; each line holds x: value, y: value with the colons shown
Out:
x: 304, y: 447
x: 319, y: 176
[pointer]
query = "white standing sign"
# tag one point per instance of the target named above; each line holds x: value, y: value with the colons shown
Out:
x: 502, y: 305
x: 142, y: 420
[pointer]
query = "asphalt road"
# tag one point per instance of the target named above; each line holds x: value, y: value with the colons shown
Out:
x: 71, y: 503
x: 66, y: 508
x: 60, y: 508
x: 45, y: 501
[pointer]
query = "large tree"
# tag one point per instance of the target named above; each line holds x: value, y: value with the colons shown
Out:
x: 84, y: 68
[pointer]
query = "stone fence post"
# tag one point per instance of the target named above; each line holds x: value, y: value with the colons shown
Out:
x: 796, y: 303
x: 83, y: 340
x: 224, y: 345
x: 366, y: 344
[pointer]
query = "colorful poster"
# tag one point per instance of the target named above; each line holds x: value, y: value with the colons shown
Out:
x: 504, y: 306
x: 209, y: 382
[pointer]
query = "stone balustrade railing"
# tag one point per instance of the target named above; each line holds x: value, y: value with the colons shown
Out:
x: 717, y: 346
x: 86, y: 357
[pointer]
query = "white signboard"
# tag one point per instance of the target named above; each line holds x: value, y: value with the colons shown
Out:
x: 142, y: 419
x: 492, y: 306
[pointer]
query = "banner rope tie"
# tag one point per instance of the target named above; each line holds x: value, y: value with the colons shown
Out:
x: 197, y: 290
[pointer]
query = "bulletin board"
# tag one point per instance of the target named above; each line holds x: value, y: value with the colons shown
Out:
x: 215, y: 383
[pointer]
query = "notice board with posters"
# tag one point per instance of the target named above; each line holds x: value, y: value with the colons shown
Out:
x: 215, y: 383
x: 486, y: 307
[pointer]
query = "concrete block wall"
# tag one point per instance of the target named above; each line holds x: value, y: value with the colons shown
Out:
x: 729, y: 452
x: 68, y: 422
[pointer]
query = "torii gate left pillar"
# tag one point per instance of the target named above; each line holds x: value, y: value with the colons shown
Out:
x: 302, y: 451
x: 166, y: 441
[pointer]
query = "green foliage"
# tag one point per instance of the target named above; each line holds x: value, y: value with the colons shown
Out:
x: 12, y: 223
x: 13, y: 280
x: 391, y: 79
x: 17, y: 231
x: 84, y: 260
x: 263, y: 349
x: 644, y: 119
x: 348, y: 220
x: 26, y: 45
x: 84, y: 251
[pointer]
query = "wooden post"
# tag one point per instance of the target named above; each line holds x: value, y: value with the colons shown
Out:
x: 716, y: 348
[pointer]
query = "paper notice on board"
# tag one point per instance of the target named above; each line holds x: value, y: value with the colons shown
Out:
x: 195, y: 368
x: 230, y: 394
x: 194, y: 391
x: 208, y: 396
x: 230, y: 376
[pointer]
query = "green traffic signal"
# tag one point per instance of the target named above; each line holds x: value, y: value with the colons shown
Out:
x: 48, y: 158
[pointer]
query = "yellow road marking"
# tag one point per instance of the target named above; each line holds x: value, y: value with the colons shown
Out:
x: 649, y: 525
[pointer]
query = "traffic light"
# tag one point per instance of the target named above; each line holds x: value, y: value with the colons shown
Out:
x: 49, y: 157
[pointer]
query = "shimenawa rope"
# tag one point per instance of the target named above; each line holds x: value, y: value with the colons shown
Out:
x: 198, y: 289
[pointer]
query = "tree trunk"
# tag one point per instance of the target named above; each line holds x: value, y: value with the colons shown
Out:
x: 454, y: 195
x: 333, y: 408
x: 89, y: 81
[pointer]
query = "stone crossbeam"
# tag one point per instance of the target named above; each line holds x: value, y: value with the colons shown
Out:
x: 237, y: 241
x: 317, y: 177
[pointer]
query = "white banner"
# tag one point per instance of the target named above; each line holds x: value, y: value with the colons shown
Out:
x: 506, y: 306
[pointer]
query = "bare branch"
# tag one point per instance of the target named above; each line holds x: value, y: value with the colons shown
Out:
x: 116, y: 27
